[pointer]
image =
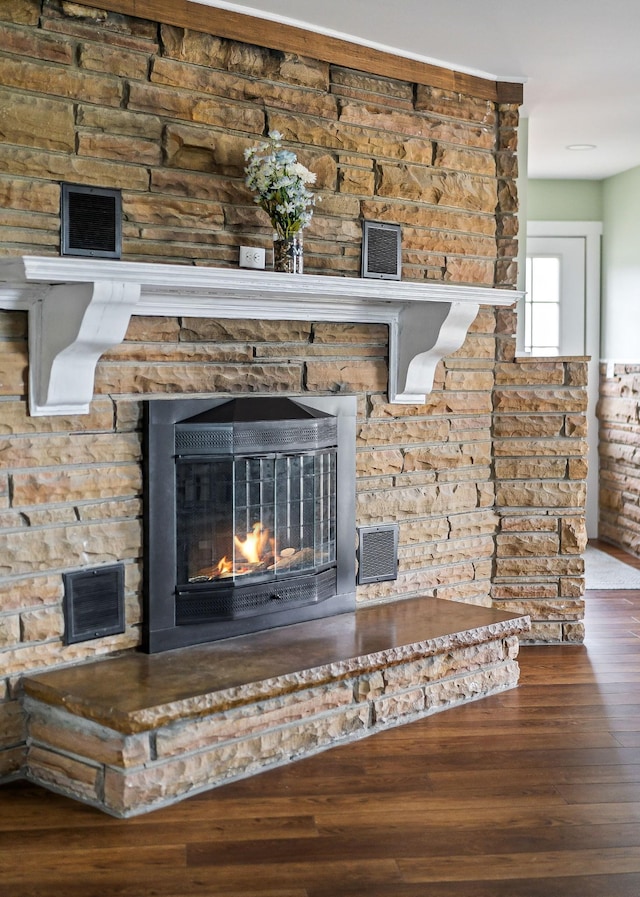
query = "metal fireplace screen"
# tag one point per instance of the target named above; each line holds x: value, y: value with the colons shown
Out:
x: 255, y: 527
x: 249, y: 515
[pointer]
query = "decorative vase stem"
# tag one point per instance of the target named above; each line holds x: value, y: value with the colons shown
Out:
x: 288, y: 254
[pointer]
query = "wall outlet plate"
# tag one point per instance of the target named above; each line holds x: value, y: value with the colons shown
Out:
x: 252, y: 257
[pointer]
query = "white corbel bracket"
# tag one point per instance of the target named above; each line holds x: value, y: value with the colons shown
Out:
x: 79, y: 309
x: 70, y: 326
x: 426, y: 333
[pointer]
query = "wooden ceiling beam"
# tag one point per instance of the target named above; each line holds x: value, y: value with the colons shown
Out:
x: 289, y: 39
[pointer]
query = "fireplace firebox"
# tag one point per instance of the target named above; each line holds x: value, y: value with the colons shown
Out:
x: 249, y: 515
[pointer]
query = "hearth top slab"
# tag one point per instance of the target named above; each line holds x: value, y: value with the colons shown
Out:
x: 137, y: 692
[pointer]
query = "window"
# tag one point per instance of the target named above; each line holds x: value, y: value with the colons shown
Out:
x: 542, y: 305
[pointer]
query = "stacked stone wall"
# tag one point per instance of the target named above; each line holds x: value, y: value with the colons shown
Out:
x: 164, y: 114
x: 619, y: 451
x: 540, y: 430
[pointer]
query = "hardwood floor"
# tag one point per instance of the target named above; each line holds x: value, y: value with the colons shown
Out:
x: 533, y: 792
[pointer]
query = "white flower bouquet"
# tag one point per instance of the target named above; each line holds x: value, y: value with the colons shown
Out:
x: 280, y: 182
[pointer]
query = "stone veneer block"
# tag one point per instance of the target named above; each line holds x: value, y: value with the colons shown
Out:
x: 151, y: 730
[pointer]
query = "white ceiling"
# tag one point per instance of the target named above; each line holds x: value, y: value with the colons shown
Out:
x: 579, y: 61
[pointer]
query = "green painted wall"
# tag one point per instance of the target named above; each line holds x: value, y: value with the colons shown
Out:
x: 562, y: 200
x: 621, y: 267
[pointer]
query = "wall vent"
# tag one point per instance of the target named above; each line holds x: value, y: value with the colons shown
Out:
x: 377, y: 553
x: 381, y: 250
x: 93, y: 603
x: 91, y: 221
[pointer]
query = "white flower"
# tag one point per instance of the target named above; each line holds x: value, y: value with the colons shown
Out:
x: 306, y: 176
x: 280, y: 182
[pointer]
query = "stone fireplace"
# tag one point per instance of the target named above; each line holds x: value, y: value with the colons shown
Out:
x: 422, y: 465
x: 205, y: 714
x: 476, y: 456
x: 405, y: 652
x: 250, y: 515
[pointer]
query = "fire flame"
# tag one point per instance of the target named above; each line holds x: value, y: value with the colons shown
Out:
x: 224, y: 567
x: 254, y: 547
x: 257, y: 550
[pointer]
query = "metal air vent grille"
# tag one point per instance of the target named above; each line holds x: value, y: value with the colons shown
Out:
x: 91, y: 222
x: 381, y: 250
x: 377, y: 553
x: 93, y: 603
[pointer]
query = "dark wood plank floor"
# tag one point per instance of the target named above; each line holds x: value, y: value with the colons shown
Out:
x: 533, y: 792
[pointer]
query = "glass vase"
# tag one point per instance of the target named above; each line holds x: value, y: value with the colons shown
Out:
x: 288, y: 254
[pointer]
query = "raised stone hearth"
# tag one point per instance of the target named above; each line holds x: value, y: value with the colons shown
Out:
x: 139, y: 732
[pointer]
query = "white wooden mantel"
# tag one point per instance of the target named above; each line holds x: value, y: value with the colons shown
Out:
x: 79, y: 309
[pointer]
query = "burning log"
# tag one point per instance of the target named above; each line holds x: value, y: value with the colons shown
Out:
x: 293, y: 558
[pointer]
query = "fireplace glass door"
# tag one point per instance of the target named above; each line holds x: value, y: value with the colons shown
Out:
x: 253, y: 519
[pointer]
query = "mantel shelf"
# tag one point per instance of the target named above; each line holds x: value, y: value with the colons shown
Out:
x: 78, y: 309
